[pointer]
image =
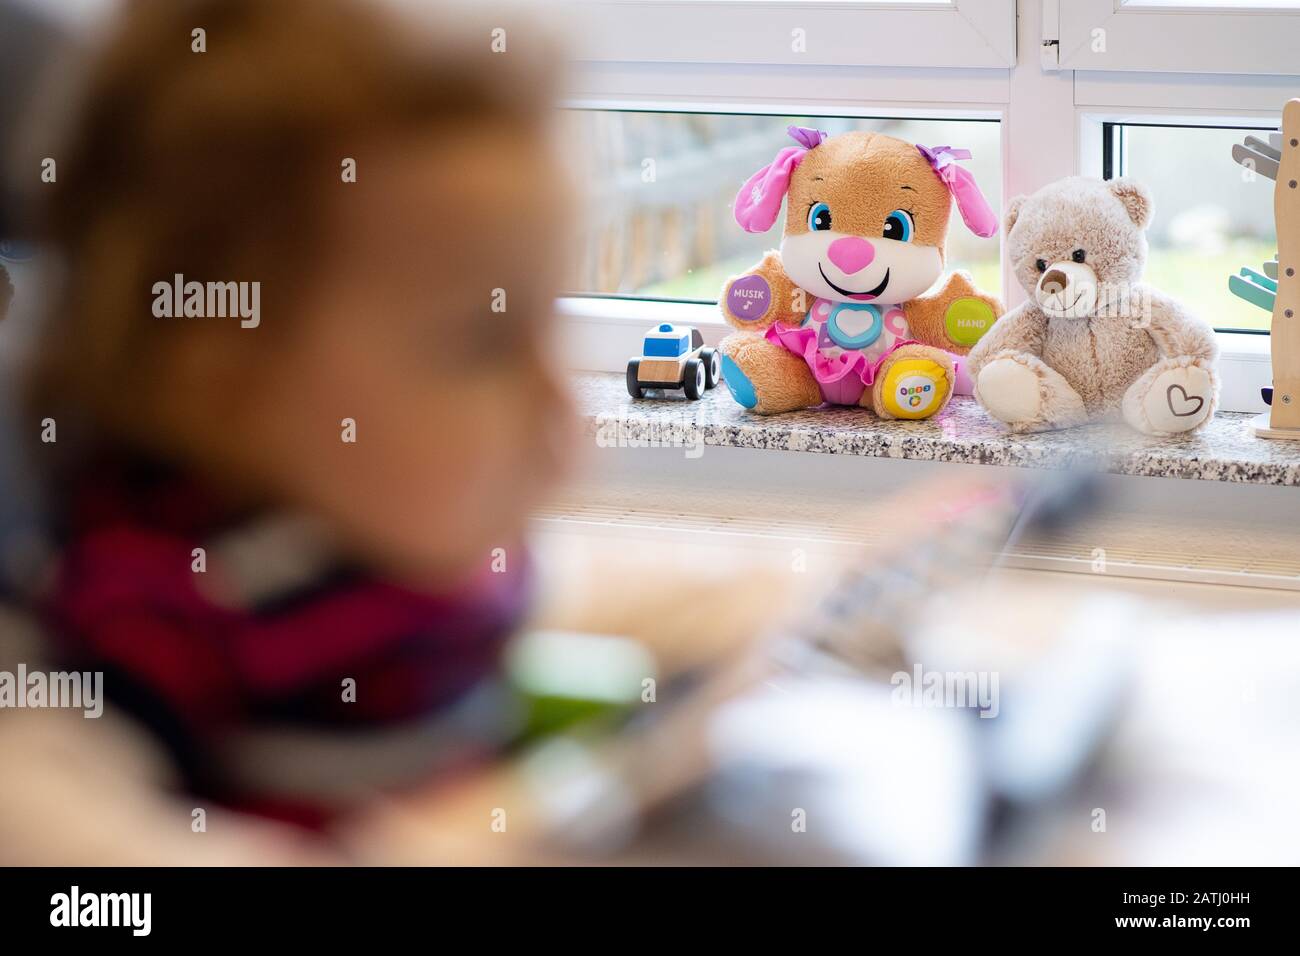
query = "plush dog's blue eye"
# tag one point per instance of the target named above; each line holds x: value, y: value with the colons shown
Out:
x: 898, y: 225
x: 819, y: 217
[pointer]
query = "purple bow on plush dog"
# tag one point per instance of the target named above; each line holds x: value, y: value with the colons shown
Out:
x: 807, y: 137
x: 942, y: 159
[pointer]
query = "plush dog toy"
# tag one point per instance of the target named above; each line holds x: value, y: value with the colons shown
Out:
x: 1092, y: 339
x: 839, y: 315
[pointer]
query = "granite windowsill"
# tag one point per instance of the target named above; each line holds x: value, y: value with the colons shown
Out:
x: 1224, y: 451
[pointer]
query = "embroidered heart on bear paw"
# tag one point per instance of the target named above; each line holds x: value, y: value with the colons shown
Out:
x: 1191, y: 404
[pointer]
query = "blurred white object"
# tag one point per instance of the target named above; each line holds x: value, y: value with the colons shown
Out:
x: 1206, y: 766
x: 1062, y: 667
x: 877, y: 783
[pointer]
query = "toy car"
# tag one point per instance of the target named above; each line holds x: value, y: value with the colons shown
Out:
x: 674, y: 356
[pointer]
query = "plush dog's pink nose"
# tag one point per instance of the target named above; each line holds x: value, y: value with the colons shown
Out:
x: 851, y: 254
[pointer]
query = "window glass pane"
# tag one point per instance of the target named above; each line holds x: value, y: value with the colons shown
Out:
x: 658, y: 189
x: 1217, y: 4
x: 1211, y: 218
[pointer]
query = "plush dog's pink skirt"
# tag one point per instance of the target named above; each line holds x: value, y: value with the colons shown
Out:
x: 844, y: 374
x: 841, y: 378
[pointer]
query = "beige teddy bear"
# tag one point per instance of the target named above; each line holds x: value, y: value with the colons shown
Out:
x: 1092, y: 340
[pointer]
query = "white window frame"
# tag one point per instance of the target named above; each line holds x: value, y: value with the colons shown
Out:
x: 1153, y: 37
x: 951, y: 33
x: 1051, y: 124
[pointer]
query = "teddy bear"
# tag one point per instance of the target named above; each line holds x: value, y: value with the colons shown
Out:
x: 841, y: 314
x: 1092, y: 341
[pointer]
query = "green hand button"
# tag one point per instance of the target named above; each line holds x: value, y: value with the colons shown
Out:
x: 968, y: 319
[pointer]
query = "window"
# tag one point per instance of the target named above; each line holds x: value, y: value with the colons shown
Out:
x: 675, y: 84
x: 660, y: 187
x: 922, y: 33
x: 1245, y: 37
x: 1212, y: 217
x: 1215, y: 4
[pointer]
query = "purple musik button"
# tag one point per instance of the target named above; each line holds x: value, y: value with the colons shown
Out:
x: 749, y: 298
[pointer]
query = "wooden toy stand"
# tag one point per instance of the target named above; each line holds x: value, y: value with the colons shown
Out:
x: 1282, y: 420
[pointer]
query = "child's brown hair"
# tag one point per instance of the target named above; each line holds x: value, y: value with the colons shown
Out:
x: 216, y: 164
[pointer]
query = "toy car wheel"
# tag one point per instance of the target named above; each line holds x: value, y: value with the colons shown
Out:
x: 633, y: 385
x: 712, y: 360
x: 694, y: 379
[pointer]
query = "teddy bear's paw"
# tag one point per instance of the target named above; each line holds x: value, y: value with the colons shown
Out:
x: 1010, y: 391
x: 1174, y: 397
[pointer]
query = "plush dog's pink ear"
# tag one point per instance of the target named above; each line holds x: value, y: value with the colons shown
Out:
x: 974, y: 208
x: 759, y: 200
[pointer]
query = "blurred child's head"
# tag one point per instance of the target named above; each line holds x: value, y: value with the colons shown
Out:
x: 389, y: 184
x: 6, y: 291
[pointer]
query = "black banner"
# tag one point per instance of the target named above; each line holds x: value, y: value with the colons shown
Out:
x: 334, y: 906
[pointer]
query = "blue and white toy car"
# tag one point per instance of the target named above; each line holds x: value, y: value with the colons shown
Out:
x: 674, y: 356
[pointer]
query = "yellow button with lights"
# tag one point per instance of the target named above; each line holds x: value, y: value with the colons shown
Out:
x: 914, y: 388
